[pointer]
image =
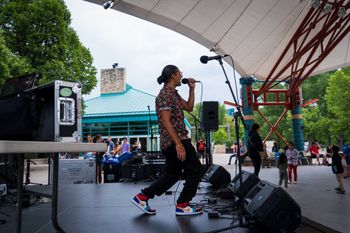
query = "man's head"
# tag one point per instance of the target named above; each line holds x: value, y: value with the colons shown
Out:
x: 291, y: 145
x: 90, y: 138
x: 170, y: 73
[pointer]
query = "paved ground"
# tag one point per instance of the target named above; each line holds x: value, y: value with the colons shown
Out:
x: 314, y: 191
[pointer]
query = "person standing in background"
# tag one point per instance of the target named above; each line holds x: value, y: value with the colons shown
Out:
x: 98, y: 159
x: 255, y: 147
x: 293, y: 161
x: 125, y: 145
x: 201, y: 146
x: 110, y: 149
x: 337, y: 169
x: 282, y: 166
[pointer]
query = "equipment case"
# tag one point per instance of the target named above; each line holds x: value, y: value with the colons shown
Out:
x: 60, y: 111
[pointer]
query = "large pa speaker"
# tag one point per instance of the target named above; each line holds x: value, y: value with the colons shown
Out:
x: 273, y: 208
x: 209, y: 116
x: 249, y: 180
x: 217, y: 176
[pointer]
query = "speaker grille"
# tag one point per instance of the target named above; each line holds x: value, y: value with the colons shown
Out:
x: 273, y: 208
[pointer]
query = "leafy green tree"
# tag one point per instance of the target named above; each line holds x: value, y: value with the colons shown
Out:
x: 315, y: 87
x: 338, y: 99
x: 10, y: 64
x: 220, y: 136
x: 39, y: 32
x: 314, y: 125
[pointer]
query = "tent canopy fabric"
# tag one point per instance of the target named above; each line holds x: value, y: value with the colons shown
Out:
x: 254, y: 32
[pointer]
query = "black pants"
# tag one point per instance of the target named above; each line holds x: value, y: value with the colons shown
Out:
x: 256, y: 159
x: 192, y: 169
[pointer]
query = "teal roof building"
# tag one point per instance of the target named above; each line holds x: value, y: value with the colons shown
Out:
x: 122, y: 111
x: 129, y: 105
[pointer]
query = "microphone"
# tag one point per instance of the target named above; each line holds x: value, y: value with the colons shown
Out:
x: 186, y: 80
x: 205, y: 59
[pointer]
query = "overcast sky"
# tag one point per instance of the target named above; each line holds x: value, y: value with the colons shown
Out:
x: 143, y: 49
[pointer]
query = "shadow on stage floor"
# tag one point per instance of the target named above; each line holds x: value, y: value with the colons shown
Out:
x: 105, y: 208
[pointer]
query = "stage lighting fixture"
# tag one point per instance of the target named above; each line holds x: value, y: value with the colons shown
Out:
x: 327, y: 8
x: 315, y: 3
x: 341, y: 12
x: 108, y: 4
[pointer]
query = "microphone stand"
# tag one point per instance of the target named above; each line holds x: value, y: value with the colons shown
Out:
x: 237, y: 116
x: 151, y: 162
x: 196, y: 120
x: 150, y: 126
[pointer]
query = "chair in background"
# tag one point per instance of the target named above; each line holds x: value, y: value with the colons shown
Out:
x: 302, y: 159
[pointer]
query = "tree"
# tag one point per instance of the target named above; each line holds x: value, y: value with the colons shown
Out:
x: 315, y: 125
x: 38, y: 31
x: 220, y: 136
x: 315, y: 87
x: 10, y: 64
x: 338, y: 99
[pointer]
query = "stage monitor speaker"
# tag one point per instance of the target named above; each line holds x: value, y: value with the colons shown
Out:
x: 249, y: 180
x: 217, y: 176
x: 209, y: 116
x: 273, y: 208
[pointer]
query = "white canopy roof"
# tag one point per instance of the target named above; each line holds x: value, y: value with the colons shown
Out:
x: 253, y: 32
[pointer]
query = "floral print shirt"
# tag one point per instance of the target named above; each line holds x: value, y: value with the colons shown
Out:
x: 169, y: 100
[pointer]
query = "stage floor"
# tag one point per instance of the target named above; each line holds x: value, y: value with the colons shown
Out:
x: 106, y: 207
x: 91, y: 208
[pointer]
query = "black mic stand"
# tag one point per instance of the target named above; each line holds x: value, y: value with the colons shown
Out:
x: 150, y: 127
x: 208, y: 155
x: 196, y: 120
x: 208, y: 161
x: 150, y: 160
x: 238, y: 115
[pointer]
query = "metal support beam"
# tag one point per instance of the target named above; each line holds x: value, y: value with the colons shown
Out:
x: 316, y: 37
x: 273, y: 128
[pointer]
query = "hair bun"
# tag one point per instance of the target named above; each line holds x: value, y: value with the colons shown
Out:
x: 160, y: 79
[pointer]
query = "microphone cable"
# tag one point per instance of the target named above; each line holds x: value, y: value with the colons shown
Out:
x: 200, y: 112
x: 234, y: 77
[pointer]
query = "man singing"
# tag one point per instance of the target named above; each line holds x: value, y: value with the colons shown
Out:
x: 175, y: 144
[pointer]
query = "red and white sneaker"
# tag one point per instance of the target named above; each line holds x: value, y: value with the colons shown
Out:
x: 185, y: 208
x: 141, y: 201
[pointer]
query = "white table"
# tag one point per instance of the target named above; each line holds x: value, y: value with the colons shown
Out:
x: 22, y: 147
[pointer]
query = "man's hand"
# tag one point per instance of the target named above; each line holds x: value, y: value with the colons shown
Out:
x: 191, y: 82
x: 181, y: 152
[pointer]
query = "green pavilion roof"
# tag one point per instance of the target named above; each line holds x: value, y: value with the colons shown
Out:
x: 130, y: 102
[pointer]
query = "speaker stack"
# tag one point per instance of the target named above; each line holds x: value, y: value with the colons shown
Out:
x: 249, y: 180
x: 273, y: 208
x: 217, y: 176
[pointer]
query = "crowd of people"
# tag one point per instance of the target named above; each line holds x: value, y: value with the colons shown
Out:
x: 114, y: 149
x: 288, y: 158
